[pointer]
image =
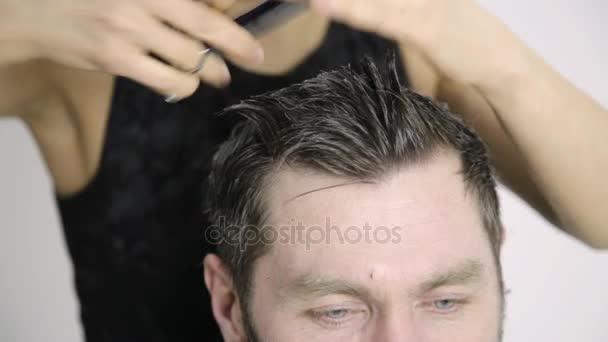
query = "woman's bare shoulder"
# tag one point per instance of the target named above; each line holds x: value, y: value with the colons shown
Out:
x: 69, y: 126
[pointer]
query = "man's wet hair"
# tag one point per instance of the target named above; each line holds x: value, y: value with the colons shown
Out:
x: 358, y: 123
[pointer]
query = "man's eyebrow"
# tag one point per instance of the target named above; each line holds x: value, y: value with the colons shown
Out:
x: 309, y: 286
x: 325, y: 188
x: 466, y: 272
x: 314, y: 286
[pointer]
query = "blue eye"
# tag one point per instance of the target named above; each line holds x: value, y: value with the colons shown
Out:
x: 447, y: 305
x: 335, y: 317
x: 336, y: 314
x: 444, y: 304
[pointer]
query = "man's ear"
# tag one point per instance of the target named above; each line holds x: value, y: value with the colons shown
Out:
x: 224, y: 300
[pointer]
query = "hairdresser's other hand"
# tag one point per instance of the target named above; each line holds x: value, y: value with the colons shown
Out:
x: 119, y: 36
x: 460, y: 38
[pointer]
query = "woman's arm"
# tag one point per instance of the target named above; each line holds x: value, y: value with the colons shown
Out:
x: 23, y: 85
x: 467, y: 101
x: 116, y: 37
x: 562, y: 135
x: 22, y: 78
x: 548, y: 138
x: 54, y: 55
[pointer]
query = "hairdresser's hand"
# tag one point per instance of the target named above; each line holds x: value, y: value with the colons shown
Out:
x: 118, y: 36
x: 459, y: 37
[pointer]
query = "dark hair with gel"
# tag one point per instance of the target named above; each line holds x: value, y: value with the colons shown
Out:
x: 358, y: 123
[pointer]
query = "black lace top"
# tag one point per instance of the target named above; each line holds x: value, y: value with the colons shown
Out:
x: 136, y: 232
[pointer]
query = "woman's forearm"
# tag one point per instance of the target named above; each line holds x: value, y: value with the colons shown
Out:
x: 563, y: 136
x: 560, y: 132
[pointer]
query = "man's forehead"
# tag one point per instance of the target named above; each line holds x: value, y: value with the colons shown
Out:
x: 424, y: 214
x: 293, y: 190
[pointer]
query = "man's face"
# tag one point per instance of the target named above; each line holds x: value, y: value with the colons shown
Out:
x: 414, y: 262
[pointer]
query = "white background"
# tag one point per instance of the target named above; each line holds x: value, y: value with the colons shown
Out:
x: 559, y: 287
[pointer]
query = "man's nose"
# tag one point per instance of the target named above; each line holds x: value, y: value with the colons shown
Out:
x: 399, y: 327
